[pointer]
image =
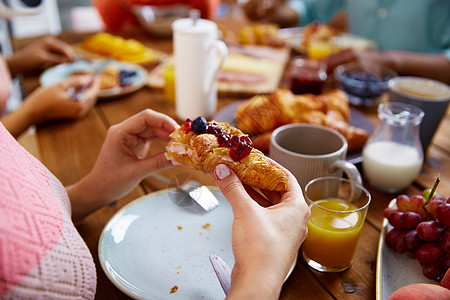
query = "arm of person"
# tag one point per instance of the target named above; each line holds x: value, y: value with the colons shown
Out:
x: 122, y: 162
x: 434, y: 66
x: 266, y: 235
x: 47, y: 51
x: 53, y: 102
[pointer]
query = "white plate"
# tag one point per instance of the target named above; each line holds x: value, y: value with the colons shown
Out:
x: 63, y: 71
x: 395, y: 270
x: 159, y: 241
x: 344, y: 40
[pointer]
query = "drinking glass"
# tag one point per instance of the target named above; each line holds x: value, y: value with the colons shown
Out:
x: 338, y: 210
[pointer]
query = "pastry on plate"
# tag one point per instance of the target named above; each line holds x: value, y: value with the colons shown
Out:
x: 262, y: 114
x: 203, y: 145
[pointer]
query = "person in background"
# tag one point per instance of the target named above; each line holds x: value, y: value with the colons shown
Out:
x: 38, y: 215
x: 116, y: 14
x: 412, y: 37
x: 45, y: 103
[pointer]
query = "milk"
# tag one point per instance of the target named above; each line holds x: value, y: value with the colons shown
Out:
x: 391, y: 166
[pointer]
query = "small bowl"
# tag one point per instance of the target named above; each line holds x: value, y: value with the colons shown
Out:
x: 364, y: 83
x: 158, y: 19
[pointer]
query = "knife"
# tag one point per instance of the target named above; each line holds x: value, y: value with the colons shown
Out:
x: 76, y: 94
x: 222, y: 270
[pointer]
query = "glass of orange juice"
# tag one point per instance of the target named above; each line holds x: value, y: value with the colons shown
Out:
x: 338, y: 210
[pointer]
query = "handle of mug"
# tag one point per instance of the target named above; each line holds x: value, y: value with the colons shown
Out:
x: 352, y: 173
x: 223, y: 53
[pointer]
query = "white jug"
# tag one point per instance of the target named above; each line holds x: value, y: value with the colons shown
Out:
x: 196, y: 46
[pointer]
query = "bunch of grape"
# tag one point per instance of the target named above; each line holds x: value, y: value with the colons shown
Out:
x: 423, y: 228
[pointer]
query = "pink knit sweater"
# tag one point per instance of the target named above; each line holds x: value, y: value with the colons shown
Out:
x: 42, y: 256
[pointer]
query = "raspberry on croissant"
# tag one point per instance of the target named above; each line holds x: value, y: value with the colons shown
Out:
x: 204, y: 146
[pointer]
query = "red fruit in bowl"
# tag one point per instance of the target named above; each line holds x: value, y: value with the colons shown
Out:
x: 421, y: 291
x: 429, y: 231
x: 433, y: 205
x: 443, y: 214
x: 445, y: 282
x: 388, y: 211
x: 445, y: 241
x: 403, y: 203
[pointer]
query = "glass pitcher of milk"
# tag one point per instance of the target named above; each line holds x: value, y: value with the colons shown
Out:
x: 393, y: 155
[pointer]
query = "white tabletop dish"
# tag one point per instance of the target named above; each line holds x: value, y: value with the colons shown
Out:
x: 160, y: 241
x: 395, y: 270
x: 63, y: 71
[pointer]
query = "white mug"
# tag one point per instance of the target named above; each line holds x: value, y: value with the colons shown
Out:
x: 196, y: 45
x: 312, y: 151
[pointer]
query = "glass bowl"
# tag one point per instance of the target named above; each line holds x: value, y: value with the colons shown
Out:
x: 363, y: 83
x: 158, y: 19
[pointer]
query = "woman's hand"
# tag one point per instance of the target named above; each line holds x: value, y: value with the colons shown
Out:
x: 46, y: 52
x: 122, y: 162
x: 57, y: 101
x: 265, y: 237
x: 53, y: 102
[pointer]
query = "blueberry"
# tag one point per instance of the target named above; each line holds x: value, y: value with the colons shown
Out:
x: 125, y: 77
x: 199, y: 125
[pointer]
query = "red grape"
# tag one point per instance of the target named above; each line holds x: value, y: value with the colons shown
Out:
x: 433, y: 204
x: 433, y: 271
x: 445, y: 260
x: 391, y: 237
x: 394, y: 219
x: 410, y: 220
x: 445, y: 241
x: 443, y: 214
x: 403, y: 202
x: 388, y: 211
x: 395, y: 239
x: 415, y: 204
x: 428, y: 253
x: 412, y: 241
x: 429, y: 231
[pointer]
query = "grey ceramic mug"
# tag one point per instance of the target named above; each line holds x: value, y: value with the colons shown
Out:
x: 311, y: 151
x: 430, y: 95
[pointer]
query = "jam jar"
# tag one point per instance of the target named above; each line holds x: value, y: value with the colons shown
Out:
x: 307, y: 76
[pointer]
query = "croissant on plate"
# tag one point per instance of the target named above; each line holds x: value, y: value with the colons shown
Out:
x: 262, y: 114
x: 221, y: 143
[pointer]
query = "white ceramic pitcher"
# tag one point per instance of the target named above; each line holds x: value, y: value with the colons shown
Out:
x: 196, y: 46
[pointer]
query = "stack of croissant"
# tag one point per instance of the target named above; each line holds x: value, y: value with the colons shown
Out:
x: 261, y: 114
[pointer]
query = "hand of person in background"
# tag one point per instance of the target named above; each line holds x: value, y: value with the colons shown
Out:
x: 53, y: 102
x: 266, y: 235
x: 122, y: 162
x: 405, y: 63
x: 45, y: 52
x: 353, y: 56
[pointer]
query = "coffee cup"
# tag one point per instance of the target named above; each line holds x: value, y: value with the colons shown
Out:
x: 430, y: 95
x: 312, y: 151
x: 196, y: 48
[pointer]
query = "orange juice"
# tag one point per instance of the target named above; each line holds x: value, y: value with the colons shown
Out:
x: 319, y: 50
x: 169, y: 83
x: 333, y: 236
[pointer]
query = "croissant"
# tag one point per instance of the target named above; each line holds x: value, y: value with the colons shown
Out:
x: 225, y: 144
x: 261, y: 114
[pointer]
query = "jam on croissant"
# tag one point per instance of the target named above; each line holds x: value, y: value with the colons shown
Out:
x: 203, y: 145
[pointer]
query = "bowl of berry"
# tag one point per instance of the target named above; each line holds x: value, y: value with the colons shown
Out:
x: 364, y: 83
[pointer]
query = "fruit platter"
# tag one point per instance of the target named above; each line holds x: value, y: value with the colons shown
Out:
x: 414, y: 246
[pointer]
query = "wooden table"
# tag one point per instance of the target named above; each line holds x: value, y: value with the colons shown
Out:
x: 69, y: 150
